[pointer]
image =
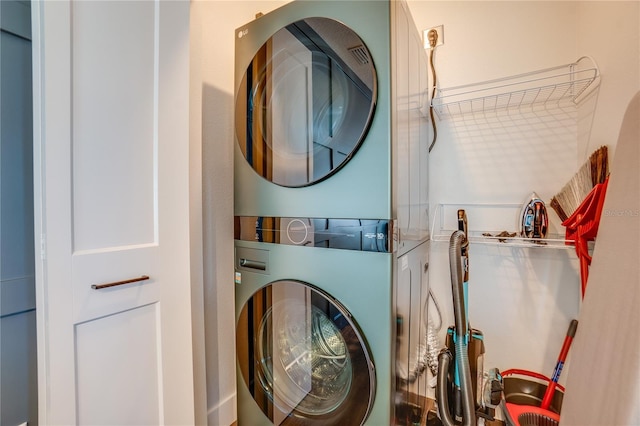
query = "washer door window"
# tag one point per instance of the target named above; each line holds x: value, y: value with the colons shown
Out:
x: 305, y: 102
x: 302, y: 358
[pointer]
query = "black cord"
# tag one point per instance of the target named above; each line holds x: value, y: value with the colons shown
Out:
x: 432, y: 52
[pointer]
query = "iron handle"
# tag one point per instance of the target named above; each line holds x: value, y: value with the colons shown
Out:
x: 117, y: 283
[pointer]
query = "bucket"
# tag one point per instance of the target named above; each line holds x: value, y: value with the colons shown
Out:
x: 523, y: 394
x: 536, y: 419
x: 530, y: 391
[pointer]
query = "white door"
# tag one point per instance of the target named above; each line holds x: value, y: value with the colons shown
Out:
x: 111, y: 87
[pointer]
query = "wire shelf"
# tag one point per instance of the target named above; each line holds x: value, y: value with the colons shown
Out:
x: 568, y: 83
x: 490, y: 217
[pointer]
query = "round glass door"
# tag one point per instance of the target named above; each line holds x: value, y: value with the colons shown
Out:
x: 305, y: 358
x: 305, y: 102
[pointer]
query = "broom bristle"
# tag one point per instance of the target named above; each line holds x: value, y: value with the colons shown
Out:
x: 599, y: 165
x: 593, y: 171
x: 555, y: 204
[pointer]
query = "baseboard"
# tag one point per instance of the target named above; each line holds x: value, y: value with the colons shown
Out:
x: 223, y: 414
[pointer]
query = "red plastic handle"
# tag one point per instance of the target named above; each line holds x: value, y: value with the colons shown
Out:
x: 548, y: 395
x: 582, y: 226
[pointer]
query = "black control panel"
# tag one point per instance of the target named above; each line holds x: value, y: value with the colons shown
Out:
x: 375, y: 235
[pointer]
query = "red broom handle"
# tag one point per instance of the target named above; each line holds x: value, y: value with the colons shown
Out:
x: 582, y: 250
x: 548, y: 395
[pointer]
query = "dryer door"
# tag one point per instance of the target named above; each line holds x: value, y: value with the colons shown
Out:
x: 302, y: 357
x: 305, y: 102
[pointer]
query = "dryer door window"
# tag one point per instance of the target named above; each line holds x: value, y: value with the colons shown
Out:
x: 302, y: 358
x: 305, y: 102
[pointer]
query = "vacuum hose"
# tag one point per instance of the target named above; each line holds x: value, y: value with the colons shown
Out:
x: 457, y: 249
x: 442, y: 397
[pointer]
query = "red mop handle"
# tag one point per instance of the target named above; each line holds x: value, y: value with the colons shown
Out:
x: 548, y: 395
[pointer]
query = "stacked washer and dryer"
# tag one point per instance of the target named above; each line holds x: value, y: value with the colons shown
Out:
x: 331, y: 215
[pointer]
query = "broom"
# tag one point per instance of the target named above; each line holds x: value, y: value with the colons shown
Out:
x: 593, y: 171
x: 579, y: 205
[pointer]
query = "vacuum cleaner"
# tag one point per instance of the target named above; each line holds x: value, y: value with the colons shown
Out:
x: 463, y: 393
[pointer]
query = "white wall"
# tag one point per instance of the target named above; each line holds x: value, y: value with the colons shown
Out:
x: 212, y: 43
x: 610, y: 32
x: 522, y: 299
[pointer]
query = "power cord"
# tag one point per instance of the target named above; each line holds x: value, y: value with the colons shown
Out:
x: 432, y: 37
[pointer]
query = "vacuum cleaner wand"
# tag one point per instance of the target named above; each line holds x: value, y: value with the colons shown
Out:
x: 462, y: 226
x: 458, y: 261
x: 459, y: 265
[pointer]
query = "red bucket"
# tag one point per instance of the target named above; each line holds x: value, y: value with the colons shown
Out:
x: 523, y: 392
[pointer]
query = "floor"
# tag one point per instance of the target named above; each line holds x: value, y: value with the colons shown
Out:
x: 431, y: 419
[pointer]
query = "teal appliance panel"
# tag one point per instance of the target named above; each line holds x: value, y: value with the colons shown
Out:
x: 310, y: 350
x: 312, y: 112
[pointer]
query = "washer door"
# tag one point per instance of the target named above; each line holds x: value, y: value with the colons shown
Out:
x: 302, y: 357
x: 305, y: 102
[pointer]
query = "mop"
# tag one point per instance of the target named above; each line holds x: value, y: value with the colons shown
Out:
x: 545, y: 413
